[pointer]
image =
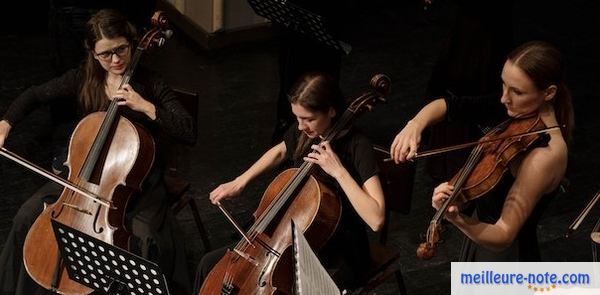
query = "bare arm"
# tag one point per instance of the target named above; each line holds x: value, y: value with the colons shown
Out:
x: 4, y: 130
x: 270, y: 159
x: 368, y: 200
x: 539, y: 173
x: 405, y: 144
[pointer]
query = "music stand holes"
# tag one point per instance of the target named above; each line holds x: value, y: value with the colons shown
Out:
x: 77, y: 254
x: 118, y: 272
x: 84, y: 249
x: 73, y: 267
x: 60, y: 230
x: 103, y: 280
x: 132, y: 262
x: 158, y: 291
x: 104, y: 258
x: 130, y: 285
x: 137, y: 281
x: 107, y: 267
x: 135, y: 272
x: 145, y: 277
x: 100, y: 271
x: 141, y: 290
x: 64, y: 240
x: 83, y: 271
x: 94, y: 253
x: 97, y: 263
x: 122, y: 258
x: 114, y: 262
x: 101, y: 248
x: 125, y: 268
x: 143, y: 267
x: 127, y: 276
x: 96, y: 285
x: 71, y: 235
x: 86, y: 280
x: 132, y: 293
x: 68, y: 249
x: 111, y: 253
x: 79, y: 262
x: 87, y: 258
x: 94, y: 276
x: 74, y: 244
x: 70, y: 258
x: 148, y: 286
x: 91, y: 244
x: 90, y: 267
x: 156, y: 282
x: 153, y: 272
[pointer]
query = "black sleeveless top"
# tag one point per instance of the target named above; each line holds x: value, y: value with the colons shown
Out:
x: 486, y: 112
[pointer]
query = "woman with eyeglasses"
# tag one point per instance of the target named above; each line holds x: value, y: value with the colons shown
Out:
x: 146, y: 100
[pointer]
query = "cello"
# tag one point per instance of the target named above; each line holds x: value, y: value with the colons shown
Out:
x: 108, y: 156
x: 261, y: 263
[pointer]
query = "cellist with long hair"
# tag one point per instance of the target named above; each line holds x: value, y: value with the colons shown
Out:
x: 346, y: 165
x: 146, y: 100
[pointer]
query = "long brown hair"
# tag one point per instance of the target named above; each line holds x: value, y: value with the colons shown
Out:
x: 543, y: 63
x: 316, y: 92
x: 106, y: 23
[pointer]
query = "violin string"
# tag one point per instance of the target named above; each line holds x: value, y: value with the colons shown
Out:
x: 463, y: 174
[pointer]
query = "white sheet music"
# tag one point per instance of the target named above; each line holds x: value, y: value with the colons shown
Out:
x: 311, y: 276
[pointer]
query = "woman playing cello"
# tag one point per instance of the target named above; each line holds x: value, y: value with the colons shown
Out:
x: 347, y: 166
x: 146, y: 100
x: 503, y: 226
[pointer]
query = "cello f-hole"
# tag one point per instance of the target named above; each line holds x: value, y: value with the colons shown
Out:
x: 97, y: 229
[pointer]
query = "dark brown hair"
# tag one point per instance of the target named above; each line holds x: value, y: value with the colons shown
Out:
x: 110, y: 24
x: 543, y: 64
x: 317, y: 92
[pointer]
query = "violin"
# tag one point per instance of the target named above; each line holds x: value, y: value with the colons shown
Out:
x: 261, y: 263
x: 485, y: 166
x: 108, y: 156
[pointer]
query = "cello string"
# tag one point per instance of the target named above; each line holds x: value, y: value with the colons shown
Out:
x: 284, y: 195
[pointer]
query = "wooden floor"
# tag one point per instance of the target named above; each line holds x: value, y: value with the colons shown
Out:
x: 238, y: 88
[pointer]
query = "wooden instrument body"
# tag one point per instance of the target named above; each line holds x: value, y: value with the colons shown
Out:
x: 315, y: 209
x: 123, y: 166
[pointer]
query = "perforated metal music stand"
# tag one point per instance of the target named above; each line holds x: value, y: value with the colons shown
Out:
x: 106, y: 268
x: 299, y: 20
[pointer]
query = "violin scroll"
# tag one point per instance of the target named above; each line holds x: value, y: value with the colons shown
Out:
x: 428, y: 249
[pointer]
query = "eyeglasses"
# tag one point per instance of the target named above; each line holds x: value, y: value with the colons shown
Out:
x: 119, y: 51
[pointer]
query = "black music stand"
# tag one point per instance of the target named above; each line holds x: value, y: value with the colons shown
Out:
x: 106, y: 268
x: 298, y: 19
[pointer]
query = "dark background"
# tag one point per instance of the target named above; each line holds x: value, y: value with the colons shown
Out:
x: 238, y: 88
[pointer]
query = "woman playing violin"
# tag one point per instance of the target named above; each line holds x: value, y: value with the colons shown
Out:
x: 347, y: 165
x: 503, y: 226
x: 148, y: 101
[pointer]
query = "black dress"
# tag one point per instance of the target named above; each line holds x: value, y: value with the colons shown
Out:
x: 155, y: 231
x: 486, y: 112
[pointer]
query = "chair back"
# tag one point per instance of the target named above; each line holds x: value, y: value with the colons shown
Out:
x: 396, y: 180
